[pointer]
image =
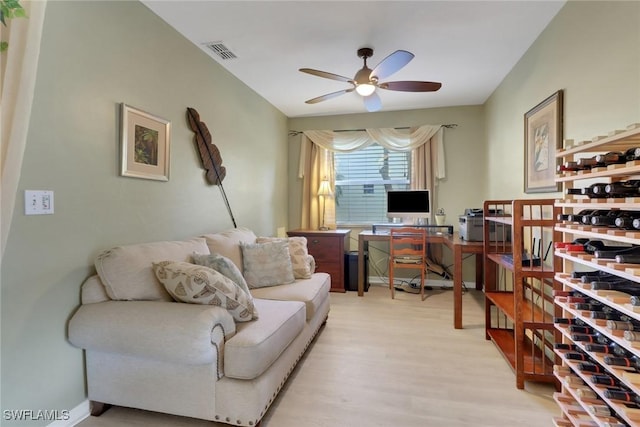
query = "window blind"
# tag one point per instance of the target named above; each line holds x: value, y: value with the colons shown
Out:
x: 362, y: 180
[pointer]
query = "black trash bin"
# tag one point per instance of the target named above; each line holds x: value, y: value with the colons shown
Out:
x: 351, y: 271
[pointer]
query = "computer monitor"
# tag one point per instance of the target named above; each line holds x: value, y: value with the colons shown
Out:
x: 408, y: 204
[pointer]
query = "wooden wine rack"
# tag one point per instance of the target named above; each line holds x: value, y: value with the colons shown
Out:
x: 577, y: 410
x: 519, y: 306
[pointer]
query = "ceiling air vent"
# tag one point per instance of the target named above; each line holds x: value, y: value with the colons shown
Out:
x: 221, y: 50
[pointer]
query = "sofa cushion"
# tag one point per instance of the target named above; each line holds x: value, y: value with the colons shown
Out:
x: 258, y: 344
x: 300, y: 258
x: 227, y: 243
x: 222, y: 265
x: 126, y: 271
x: 197, y: 284
x: 311, y: 291
x: 267, y: 264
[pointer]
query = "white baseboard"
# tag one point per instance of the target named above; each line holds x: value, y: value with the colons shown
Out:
x: 76, y: 415
x: 438, y: 283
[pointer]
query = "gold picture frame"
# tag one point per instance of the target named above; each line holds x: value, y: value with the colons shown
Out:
x: 145, y: 144
x: 543, y: 135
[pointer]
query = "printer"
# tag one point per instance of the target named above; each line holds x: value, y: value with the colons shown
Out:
x: 471, y: 223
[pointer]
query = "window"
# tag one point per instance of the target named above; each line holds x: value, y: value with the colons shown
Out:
x: 362, y: 180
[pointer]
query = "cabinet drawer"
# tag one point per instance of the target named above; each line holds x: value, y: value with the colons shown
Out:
x: 323, y: 247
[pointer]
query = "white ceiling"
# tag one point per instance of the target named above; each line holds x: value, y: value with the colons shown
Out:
x: 468, y: 46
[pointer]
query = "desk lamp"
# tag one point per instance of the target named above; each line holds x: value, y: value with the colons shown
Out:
x: 324, y: 191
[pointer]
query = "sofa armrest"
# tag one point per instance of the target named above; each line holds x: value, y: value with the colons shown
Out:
x: 168, y: 331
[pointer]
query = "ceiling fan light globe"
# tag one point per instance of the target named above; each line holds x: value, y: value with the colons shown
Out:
x: 365, y: 89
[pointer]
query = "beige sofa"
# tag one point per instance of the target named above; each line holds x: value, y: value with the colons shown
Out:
x: 145, y: 351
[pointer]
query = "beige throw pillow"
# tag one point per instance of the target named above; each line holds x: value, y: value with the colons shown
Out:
x: 302, y: 263
x: 197, y: 284
x: 267, y: 264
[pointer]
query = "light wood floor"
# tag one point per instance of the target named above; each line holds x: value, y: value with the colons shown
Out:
x: 383, y: 362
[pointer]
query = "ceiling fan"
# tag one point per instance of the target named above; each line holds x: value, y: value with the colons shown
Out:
x: 367, y: 80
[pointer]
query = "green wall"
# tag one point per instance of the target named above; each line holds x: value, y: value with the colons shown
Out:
x: 94, y: 56
x: 98, y: 54
x: 591, y: 50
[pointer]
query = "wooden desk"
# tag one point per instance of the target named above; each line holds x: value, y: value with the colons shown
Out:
x: 453, y: 242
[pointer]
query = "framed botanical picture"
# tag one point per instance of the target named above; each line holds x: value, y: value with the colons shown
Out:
x: 542, y: 136
x: 145, y: 143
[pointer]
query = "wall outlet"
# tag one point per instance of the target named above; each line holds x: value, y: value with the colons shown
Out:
x: 38, y: 202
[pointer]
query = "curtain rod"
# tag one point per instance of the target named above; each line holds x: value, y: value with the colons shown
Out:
x: 448, y: 126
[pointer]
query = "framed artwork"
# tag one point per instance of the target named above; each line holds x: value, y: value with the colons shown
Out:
x: 542, y: 136
x: 145, y: 143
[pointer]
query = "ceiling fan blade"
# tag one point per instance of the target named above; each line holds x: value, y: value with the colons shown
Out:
x: 372, y: 102
x: 328, y: 96
x: 411, y: 86
x: 391, y: 64
x: 326, y: 75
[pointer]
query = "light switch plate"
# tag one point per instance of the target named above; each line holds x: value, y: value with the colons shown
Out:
x: 38, y: 202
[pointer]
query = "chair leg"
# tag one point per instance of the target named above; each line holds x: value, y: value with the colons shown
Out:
x: 391, y: 288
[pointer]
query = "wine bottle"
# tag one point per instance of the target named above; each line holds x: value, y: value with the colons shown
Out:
x: 610, y: 348
x: 608, y: 220
x: 611, y: 252
x: 625, y: 221
x: 574, y: 217
x: 580, y: 329
x: 565, y: 346
x: 631, y: 336
x: 611, y: 158
x: 595, y: 191
x: 604, y: 379
x: 587, y: 163
x: 590, y: 367
x: 576, y: 355
x: 622, y: 326
x: 622, y: 395
x: 628, y: 188
x: 603, y: 276
x: 632, y: 289
x: 580, y: 274
x: 628, y: 258
x: 627, y: 362
x: 568, y: 321
x: 635, y: 300
x: 571, y: 167
x: 599, y: 410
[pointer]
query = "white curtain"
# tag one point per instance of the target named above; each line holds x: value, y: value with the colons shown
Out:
x: 393, y: 139
x: 18, y: 69
x: 425, y: 144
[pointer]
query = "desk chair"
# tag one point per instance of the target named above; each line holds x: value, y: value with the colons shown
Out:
x: 408, y: 250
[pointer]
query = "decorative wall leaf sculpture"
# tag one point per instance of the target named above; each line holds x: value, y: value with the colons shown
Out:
x: 209, y: 153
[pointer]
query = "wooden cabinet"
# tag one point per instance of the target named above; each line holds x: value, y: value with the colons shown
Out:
x: 519, y: 285
x: 328, y: 248
x: 577, y: 384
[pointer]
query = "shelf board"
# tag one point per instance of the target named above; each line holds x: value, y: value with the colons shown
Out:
x: 625, y: 271
x: 619, y: 140
x: 603, y: 297
x: 600, y: 203
x: 504, y: 219
x: 616, y: 371
x: 505, y: 342
x: 531, y: 313
x: 543, y: 271
x: 578, y: 416
x: 615, y: 235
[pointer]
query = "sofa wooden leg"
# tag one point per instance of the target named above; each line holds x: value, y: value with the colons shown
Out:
x: 97, y: 408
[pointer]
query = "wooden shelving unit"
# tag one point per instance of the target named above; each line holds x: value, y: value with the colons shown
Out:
x: 519, y: 284
x: 575, y: 408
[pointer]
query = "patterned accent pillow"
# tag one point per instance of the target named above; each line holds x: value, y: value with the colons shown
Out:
x: 267, y: 264
x: 222, y: 265
x: 197, y: 284
x: 302, y: 263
